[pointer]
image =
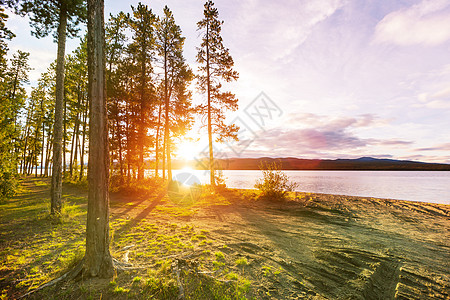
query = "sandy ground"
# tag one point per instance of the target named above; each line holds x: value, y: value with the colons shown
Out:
x: 324, y: 246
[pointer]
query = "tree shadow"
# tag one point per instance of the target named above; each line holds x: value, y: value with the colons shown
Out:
x: 144, y: 213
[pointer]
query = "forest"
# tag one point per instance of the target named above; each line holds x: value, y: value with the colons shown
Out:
x: 149, y: 90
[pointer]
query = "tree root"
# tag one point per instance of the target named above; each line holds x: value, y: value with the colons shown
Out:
x: 124, y: 266
x: 69, y: 275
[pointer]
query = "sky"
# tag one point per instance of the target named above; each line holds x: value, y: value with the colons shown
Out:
x: 318, y: 79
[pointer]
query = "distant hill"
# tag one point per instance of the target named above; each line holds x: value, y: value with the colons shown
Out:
x: 363, y: 163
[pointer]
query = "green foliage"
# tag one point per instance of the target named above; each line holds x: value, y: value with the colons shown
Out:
x: 275, y: 184
x: 12, y: 96
x: 219, y: 256
x: 8, y: 182
x: 241, y: 262
x: 45, y: 15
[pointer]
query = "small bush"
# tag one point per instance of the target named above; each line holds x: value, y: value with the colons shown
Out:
x: 8, y: 184
x: 221, y: 186
x: 275, y: 184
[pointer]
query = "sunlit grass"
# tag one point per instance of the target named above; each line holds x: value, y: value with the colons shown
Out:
x: 58, y: 244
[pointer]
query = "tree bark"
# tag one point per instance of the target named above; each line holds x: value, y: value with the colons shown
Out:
x: 167, y: 122
x: 97, y: 260
x: 119, y: 141
x: 42, y: 149
x: 56, y: 188
x: 83, y: 143
x: 157, y: 140
x: 64, y: 150
x: 211, y: 156
x: 47, y: 152
x: 141, y: 134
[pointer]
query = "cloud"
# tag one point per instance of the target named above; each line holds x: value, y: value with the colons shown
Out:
x: 336, y: 123
x: 311, y: 143
x: 441, y: 147
x: 323, y: 136
x: 276, y: 28
x: 394, y: 143
x: 320, y: 133
x: 426, y: 23
x: 435, y: 100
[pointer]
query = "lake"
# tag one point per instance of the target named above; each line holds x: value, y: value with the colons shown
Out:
x: 426, y: 186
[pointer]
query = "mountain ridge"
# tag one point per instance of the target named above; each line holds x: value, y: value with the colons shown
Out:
x: 292, y: 163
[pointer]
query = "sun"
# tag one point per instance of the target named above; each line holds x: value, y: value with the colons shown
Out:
x: 187, y: 150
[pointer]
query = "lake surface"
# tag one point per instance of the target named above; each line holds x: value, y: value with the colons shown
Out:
x: 426, y: 186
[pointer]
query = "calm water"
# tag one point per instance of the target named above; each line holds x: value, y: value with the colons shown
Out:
x: 427, y: 186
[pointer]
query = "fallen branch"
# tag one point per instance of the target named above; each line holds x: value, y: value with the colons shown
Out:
x: 123, y: 266
x: 127, y: 247
x: 176, y: 270
x: 205, y: 274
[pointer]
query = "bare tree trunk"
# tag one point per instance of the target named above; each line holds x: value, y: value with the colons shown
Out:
x: 83, y: 143
x: 127, y: 126
x: 211, y: 156
x: 64, y: 149
x: 164, y: 160
x: 42, y: 149
x: 141, y: 128
x: 167, y: 122
x: 97, y: 260
x: 119, y: 141
x: 24, y: 157
x: 157, y: 140
x: 47, y: 153
x: 36, y: 135
x: 71, y: 154
x: 73, y: 147
x: 56, y: 188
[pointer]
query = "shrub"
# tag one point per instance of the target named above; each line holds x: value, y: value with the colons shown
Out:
x: 275, y: 184
x: 221, y: 186
x: 8, y: 185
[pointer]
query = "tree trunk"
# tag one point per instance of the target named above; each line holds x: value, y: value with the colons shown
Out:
x: 83, y: 139
x: 47, y: 152
x: 25, y: 145
x: 141, y: 133
x: 167, y: 122
x: 77, y: 142
x: 164, y: 159
x: 64, y: 150
x: 42, y: 149
x: 36, y: 135
x: 158, y: 126
x: 119, y: 141
x: 56, y: 188
x: 128, y: 139
x: 211, y: 156
x: 97, y: 260
x: 71, y: 152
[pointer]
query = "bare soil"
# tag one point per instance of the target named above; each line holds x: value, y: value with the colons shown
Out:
x: 323, y: 246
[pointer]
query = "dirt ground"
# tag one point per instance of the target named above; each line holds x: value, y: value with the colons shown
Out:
x: 232, y: 245
x: 323, y: 246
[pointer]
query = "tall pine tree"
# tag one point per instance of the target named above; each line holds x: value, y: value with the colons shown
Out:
x: 62, y: 18
x: 216, y: 65
x: 141, y: 50
x: 176, y: 77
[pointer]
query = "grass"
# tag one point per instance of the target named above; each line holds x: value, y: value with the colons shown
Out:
x: 35, y: 249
